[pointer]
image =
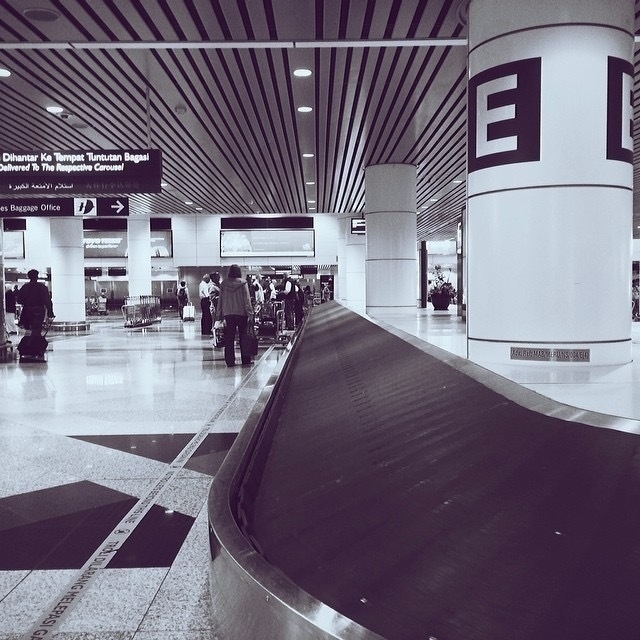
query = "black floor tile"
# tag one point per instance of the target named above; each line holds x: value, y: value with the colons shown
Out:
x: 60, y: 527
x: 166, y: 447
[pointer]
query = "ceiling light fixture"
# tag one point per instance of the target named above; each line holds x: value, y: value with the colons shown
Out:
x: 305, y: 109
x: 55, y: 110
x: 188, y: 202
x: 302, y: 73
x: 311, y: 182
x: 5, y: 73
x: 40, y: 15
x: 307, y: 155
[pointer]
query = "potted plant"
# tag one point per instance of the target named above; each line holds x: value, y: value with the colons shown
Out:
x: 441, y: 290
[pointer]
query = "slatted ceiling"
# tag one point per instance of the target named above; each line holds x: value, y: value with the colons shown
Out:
x: 241, y: 127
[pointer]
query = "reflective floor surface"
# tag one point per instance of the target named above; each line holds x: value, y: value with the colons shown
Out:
x: 107, y: 453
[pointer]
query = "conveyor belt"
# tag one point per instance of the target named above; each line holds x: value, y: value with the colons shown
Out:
x: 421, y: 504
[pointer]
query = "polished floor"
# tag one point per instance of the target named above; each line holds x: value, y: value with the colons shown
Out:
x: 107, y: 453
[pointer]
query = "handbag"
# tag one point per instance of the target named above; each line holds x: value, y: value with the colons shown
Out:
x: 218, y: 334
x: 251, y: 339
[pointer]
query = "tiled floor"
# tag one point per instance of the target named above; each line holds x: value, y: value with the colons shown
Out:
x: 107, y: 453
x: 108, y: 450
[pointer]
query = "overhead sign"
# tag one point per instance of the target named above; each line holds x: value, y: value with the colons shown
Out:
x: 53, y: 207
x: 80, y: 172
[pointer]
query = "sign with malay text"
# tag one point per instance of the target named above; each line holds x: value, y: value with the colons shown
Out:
x: 80, y: 172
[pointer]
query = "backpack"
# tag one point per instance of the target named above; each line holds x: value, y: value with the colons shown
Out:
x: 182, y: 294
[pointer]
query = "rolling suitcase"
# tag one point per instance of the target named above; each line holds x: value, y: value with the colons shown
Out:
x: 32, y: 347
x: 189, y: 313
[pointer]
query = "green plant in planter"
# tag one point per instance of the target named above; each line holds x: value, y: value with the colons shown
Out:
x: 441, y: 289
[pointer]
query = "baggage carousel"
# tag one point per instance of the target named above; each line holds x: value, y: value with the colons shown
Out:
x: 380, y: 492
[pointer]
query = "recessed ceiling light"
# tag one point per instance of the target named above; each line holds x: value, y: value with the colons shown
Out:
x: 164, y: 184
x: 458, y: 181
x: 310, y: 182
x: 305, y: 109
x: 198, y: 208
x: 188, y: 202
x: 302, y: 73
x: 55, y: 109
x: 40, y: 15
x: 5, y: 73
x: 307, y: 155
x: 433, y: 199
x: 311, y: 201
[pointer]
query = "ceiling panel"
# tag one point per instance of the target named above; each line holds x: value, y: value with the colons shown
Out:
x: 211, y: 84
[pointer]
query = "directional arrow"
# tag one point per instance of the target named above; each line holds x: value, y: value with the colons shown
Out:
x: 113, y: 206
x: 118, y: 206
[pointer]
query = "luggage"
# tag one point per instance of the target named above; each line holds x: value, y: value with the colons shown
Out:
x: 251, y: 340
x: 189, y: 313
x: 218, y: 334
x: 32, y: 348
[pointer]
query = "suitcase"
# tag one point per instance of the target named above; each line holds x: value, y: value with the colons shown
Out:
x: 189, y: 313
x: 32, y: 348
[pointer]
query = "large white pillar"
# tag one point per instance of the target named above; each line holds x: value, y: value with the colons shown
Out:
x: 67, y: 273
x: 139, y: 256
x: 391, y: 231
x: 351, y: 283
x: 550, y: 181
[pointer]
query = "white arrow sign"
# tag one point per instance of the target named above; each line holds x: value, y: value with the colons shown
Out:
x: 118, y: 206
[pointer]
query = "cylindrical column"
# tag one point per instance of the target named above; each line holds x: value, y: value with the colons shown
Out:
x: 351, y: 286
x: 391, y: 230
x: 67, y: 271
x: 550, y: 181
x: 139, y: 256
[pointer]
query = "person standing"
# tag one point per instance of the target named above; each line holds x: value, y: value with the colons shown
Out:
x: 206, y: 321
x: 182, y: 294
x: 234, y: 307
x: 214, y: 292
x: 36, y: 303
x: 10, y: 310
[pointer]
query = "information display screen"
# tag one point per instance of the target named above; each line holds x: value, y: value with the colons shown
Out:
x: 241, y: 243
x: 13, y: 244
x: 113, y: 244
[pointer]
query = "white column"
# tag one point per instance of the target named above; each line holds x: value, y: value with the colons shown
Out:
x: 351, y: 281
x: 139, y: 256
x: 67, y: 270
x: 391, y: 256
x: 550, y: 181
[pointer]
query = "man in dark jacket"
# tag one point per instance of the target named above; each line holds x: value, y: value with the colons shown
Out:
x: 36, y: 303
